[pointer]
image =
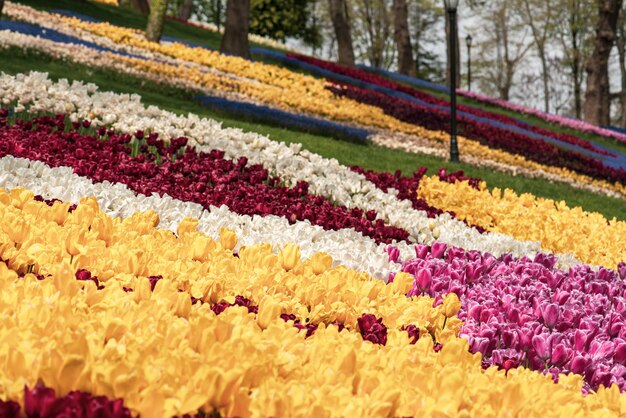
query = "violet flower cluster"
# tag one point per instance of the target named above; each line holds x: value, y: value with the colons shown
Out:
x: 526, y: 313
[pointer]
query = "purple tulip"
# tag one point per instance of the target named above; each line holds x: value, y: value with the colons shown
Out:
x: 423, y: 280
x: 550, y: 315
x: 394, y: 254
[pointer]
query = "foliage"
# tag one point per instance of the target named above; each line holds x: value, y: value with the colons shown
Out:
x: 280, y: 19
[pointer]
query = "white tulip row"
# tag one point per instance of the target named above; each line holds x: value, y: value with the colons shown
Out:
x: 347, y: 247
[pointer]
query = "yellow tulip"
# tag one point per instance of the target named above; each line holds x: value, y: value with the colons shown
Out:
x: 289, y: 256
x: 451, y: 305
x: 228, y: 239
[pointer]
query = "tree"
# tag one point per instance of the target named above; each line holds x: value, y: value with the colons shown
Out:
x: 235, y: 39
x: 503, y: 33
x: 141, y: 6
x: 575, y: 37
x: 154, y: 29
x: 406, y: 64
x: 621, y: 51
x: 185, y: 9
x: 279, y: 19
x: 597, y: 107
x: 539, y: 16
x: 211, y: 11
x: 425, y: 18
x: 373, y: 32
x: 341, y: 25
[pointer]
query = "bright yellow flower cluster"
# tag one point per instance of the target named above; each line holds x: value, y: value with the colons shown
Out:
x: 588, y: 235
x: 164, y: 355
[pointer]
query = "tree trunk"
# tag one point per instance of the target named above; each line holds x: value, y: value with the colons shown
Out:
x: 457, y: 52
x: 339, y: 16
x: 235, y: 39
x: 154, y: 30
x: 218, y: 14
x: 597, y: 107
x: 406, y: 65
x: 141, y: 6
x: 576, y: 75
x: 621, y: 50
x: 185, y: 9
x: 546, y: 79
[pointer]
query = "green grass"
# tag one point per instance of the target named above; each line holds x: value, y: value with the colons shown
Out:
x: 369, y: 156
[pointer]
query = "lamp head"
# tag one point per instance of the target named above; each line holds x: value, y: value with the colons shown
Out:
x: 451, y: 5
x: 468, y: 40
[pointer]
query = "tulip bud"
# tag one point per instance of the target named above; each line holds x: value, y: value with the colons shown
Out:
x: 579, y: 364
x: 269, y: 309
x: 187, y: 225
x: 421, y: 251
x: 560, y: 355
x: 438, y: 248
x: 550, y: 315
x: 621, y: 269
x: 74, y: 242
x: 540, y: 345
x: 228, y: 239
x: 320, y: 262
x: 451, y: 305
x: 402, y: 282
x: 290, y: 256
x: 393, y: 253
x: 423, y: 278
x: 620, y: 354
x: 475, y: 311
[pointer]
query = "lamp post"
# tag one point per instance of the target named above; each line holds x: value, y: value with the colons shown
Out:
x: 451, y: 6
x: 468, y: 42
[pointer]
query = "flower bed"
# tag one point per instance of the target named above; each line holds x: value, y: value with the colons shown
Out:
x: 357, y: 74
x: 140, y: 300
x: 326, y: 177
x: 205, y: 178
x: 437, y: 120
x: 523, y: 313
x: 166, y: 69
x: 589, y: 236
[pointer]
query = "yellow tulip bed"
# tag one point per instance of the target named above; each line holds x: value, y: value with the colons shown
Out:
x: 161, y: 347
x: 589, y: 236
x: 133, y: 296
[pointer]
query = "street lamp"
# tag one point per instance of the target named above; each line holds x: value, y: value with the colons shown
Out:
x: 468, y: 42
x: 454, y: 147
